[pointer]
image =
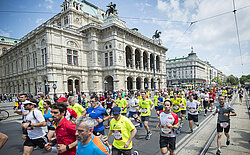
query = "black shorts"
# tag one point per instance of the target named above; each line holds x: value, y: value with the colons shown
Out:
x: 168, y: 142
x: 193, y: 117
x: 116, y: 151
x: 51, y: 128
x: 183, y: 111
x: 159, y: 108
x: 211, y: 101
x: 98, y: 133
x: 144, y: 118
x: 40, y: 142
x: 220, y: 129
x: 205, y: 104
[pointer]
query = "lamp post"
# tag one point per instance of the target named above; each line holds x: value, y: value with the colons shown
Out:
x: 46, y: 88
x: 54, y: 87
x: 105, y: 84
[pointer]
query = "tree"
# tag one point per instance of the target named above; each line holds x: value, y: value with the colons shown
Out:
x: 232, y: 80
x: 244, y: 79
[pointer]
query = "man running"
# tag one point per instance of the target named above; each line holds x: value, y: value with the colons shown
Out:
x: 88, y: 143
x: 34, y: 123
x: 76, y: 107
x: 193, y: 106
x: 122, y: 103
x: 123, y: 131
x: 176, y: 106
x: 223, y: 123
x: 133, y: 105
x: 146, y: 106
x: 167, y: 123
x: 212, y: 96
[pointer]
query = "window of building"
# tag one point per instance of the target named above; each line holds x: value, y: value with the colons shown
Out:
x: 34, y: 59
x: 17, y: 66
x: 72, y: 54
x: 111, y: 58
x: 22, y: 64
x: 12, y: 67
x: 28, y: 61
x: 66, y: 20
x: 75, y: 57
x: 4, y: 49
x: 106, y: 59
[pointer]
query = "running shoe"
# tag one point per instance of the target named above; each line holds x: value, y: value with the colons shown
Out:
x: 218, y: 152
x: 228, y: 142
x: 136, y: 153
x: 190, y: 131
x: 205, y: 115
x: 148, y: 135
x: 138, y: 124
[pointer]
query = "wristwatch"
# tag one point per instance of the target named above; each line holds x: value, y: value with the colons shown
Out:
x: 67, y: 147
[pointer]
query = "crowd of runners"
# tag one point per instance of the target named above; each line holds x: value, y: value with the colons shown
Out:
x: 74, y: 124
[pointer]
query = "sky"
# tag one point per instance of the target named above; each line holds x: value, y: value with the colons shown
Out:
x: 212, y: 34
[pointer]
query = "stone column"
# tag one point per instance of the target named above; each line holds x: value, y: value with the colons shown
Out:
x: 133, y: 58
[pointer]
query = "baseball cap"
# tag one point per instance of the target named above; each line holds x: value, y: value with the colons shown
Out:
x: 116, y: 110
x: 62, y: 99
x: 28, y: 102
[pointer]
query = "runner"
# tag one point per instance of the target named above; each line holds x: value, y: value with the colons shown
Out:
x: 76, y: 107
x: 212, y: 97
x: 122, y: 103
x: 48, y: 119
x: 133, y: 104
x: 123, y: 131
x: 192, y: 106
x: 40, y: 104
x: 71, y: 115
x: 205, y: 98
x: 159, y: 104
x: 176, y: 107
x: 146, y: 106
x: 183, y: 108
x: 223, y: 123
x: 34, y: 123
x: 167, y: 123
x: 65, y: 132
x: 240, y: 95
x: 88, y: 143
x: 109, y: 105
x: 156, y: 102
x: 97, y: 113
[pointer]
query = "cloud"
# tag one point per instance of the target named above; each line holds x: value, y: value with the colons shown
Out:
x: 142, y: 6
x: 3, y: 33
x: 50, y: 1
x: 39, y: 21
x: 49, y: 4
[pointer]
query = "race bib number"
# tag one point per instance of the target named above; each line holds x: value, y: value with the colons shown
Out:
x: 48, y: 123
x: 192, y: 110
x: 206, y: 99
x: 135, y: 115
x: 144, y: 110
x: 117, y: 134
x: 176, y: 107
x: 160, y: 104
x: 224, y: 124
x: 165, y: 130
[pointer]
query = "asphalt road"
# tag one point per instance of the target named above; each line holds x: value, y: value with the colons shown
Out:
x: 14, y: 146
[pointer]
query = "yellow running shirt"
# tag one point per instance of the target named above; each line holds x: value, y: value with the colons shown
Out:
x: 183, y: 102
x: 78, y: 109
x: 40, y: 104
x: 156, y: 99
x: 176, y: 104
x: 121, y: 130
x: 122, y: 104
x: 145, y: 107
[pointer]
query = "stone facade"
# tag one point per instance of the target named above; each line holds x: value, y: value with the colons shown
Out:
x: 190, y: 70
x: 83, y: 50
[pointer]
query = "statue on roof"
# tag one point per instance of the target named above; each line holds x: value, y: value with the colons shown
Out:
x: 156, y: 35
x: 111, y: 9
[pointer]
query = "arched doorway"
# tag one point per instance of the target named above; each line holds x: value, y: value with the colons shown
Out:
x: 146, y: 83
x: 109, y: 85
x: 145, y: 60
x: 152, y: 83
x: 129, y: 83
x: 138, y: 83
x: 128, y: 56
x: 157, y: 63
x: 137, y: 59
x: 77, y: 86
x: 151, y: 62
x: 70, y: 85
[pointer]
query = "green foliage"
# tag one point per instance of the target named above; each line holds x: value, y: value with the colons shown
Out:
x: 244, y: 79
x: 232, y: 80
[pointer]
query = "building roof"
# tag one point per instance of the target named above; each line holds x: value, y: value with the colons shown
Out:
x: 8, y: 40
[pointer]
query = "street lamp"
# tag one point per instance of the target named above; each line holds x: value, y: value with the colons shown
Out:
x: 105, y: 84
x: 54, y: 87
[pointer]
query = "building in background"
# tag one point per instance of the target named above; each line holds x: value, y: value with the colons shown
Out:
x: 190, y: 70
x: 83, y: 49
x: 6, y: 43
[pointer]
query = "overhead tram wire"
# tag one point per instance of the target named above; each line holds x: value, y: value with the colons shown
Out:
x: 238, y: 36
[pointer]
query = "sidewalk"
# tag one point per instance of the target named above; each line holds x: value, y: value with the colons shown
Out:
x: 239, y: 133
